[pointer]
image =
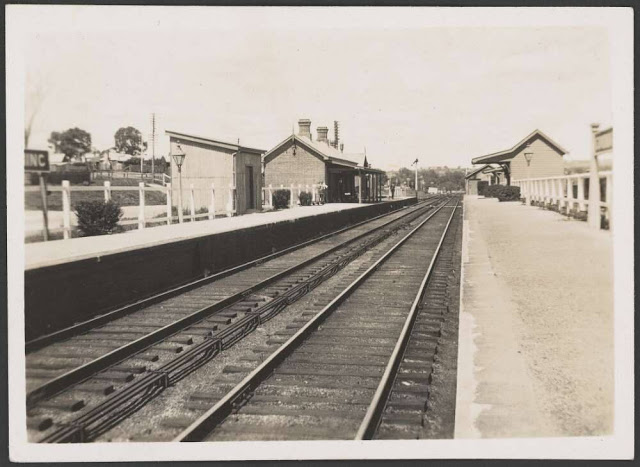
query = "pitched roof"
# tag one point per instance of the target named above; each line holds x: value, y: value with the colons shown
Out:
x: 213, y: 142
x: 477, y: 171
x: 508, y: 154
x: 319, y: 148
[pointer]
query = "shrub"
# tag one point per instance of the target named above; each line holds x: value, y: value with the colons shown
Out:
x: 509, y: 193
x: 305, y: 198
x: 97, y: 217
x: 503, y: 192
x: 280, y: 199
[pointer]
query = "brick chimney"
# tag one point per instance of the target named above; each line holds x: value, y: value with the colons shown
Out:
x: 323, y: 131
x: 304, y: 127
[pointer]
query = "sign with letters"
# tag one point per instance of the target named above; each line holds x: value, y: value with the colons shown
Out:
x: 36, y: 160
x: 604, y: 141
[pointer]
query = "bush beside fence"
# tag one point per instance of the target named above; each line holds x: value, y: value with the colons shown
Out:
x: 502, y: 192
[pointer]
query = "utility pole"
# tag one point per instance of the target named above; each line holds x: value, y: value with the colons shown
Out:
x: 416, y: 183
x: 153, y: 144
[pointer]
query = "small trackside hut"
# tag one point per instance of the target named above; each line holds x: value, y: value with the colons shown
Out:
x: 234, y: 170
x: 298, y: 160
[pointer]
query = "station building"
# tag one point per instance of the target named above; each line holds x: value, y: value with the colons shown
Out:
x: 224, y: 164
x: 535, y: 156
x: 299, y: 160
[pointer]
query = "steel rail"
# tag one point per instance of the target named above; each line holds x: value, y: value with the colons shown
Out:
x: 125, y: 310
x: 78, y: 374
x: 374, y: 412
x: 133, y: 396
x: 221, y: 410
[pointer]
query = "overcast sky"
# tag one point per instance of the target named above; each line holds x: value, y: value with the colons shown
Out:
x: 400, y: 83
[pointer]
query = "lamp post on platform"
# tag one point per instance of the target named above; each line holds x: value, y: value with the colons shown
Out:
x: 178, y: 158
x: 528, y: 156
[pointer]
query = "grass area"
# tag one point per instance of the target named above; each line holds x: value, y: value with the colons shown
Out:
x: 33, y: 200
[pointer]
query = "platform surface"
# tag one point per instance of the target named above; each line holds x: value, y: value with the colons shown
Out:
x: 61, y: 251
x: 536, y: 324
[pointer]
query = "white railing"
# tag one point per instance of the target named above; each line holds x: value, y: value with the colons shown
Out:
x: 142, y: 221
x: 558, y: 193
x: 316, y: 190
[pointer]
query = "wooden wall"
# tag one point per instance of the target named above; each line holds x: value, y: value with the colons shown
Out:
x: 202, y: 165
x: 546, y: 162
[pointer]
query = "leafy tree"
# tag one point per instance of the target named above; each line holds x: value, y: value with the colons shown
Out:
x: 73, y: 143
x: 129, y: 141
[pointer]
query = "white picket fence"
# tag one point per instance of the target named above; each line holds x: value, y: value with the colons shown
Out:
x: 316, y: 190
x: 559, y: 192
x: 142, y: 220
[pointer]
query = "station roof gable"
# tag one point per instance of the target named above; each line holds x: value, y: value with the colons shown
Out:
x: 213, y: 142
x: 321, y: 150
x: 508, y: 154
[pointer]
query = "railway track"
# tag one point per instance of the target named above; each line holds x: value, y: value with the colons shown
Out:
x: 127, y: 357
x: 361, y: 367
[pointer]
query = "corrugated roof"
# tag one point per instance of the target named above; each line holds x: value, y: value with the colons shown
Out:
x: 508, y: 154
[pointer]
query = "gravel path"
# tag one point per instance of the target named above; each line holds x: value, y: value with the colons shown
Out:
x: 538, y: 307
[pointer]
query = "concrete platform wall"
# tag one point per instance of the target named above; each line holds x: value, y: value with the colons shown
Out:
x: 57, y: 296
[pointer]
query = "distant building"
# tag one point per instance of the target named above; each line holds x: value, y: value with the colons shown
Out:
x: 535, y: 156
x: 224, y: 164
x: 481, y: 174
x: 299, y: 160
x: 432, y: 190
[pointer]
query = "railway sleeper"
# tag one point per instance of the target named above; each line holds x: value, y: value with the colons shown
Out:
x: 339, y: 412
x: 63, y: 402
x: 243, y: 429
x: 114, y: 376
x: 39, y: 423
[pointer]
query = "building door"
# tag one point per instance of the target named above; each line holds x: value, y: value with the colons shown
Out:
x: 251, y: 195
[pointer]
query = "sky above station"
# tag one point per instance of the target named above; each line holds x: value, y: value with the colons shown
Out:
x: 440, y: 85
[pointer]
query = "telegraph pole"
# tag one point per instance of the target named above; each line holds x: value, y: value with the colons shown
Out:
x: 153, y: 144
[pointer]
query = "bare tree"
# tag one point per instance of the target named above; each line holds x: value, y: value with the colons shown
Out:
x: 35, y: 94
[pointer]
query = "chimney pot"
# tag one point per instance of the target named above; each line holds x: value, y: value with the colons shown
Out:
x: 323, y: 131
x: 304, y: 127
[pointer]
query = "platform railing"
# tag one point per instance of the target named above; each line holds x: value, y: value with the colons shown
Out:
x: 148, y: 215
x: 569, y: 195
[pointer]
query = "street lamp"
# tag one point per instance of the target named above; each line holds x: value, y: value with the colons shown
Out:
x: 178, y: 157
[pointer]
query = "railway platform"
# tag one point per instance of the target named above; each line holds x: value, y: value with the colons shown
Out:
x: 113, y: 270
x: 52, y: 253
x: 536, y: 325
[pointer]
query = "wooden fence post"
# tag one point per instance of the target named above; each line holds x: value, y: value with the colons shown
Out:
x: 230, y: 201
x: 581, y: 194
x: 66, y: 209
x: 169, y: 209
x: 212, y: 207
x: 141, y: 206
x: 609, y: 199
x: 192, y: 203
x: 107, y: 191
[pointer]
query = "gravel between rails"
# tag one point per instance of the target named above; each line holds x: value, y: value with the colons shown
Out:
x: 164, y: 417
